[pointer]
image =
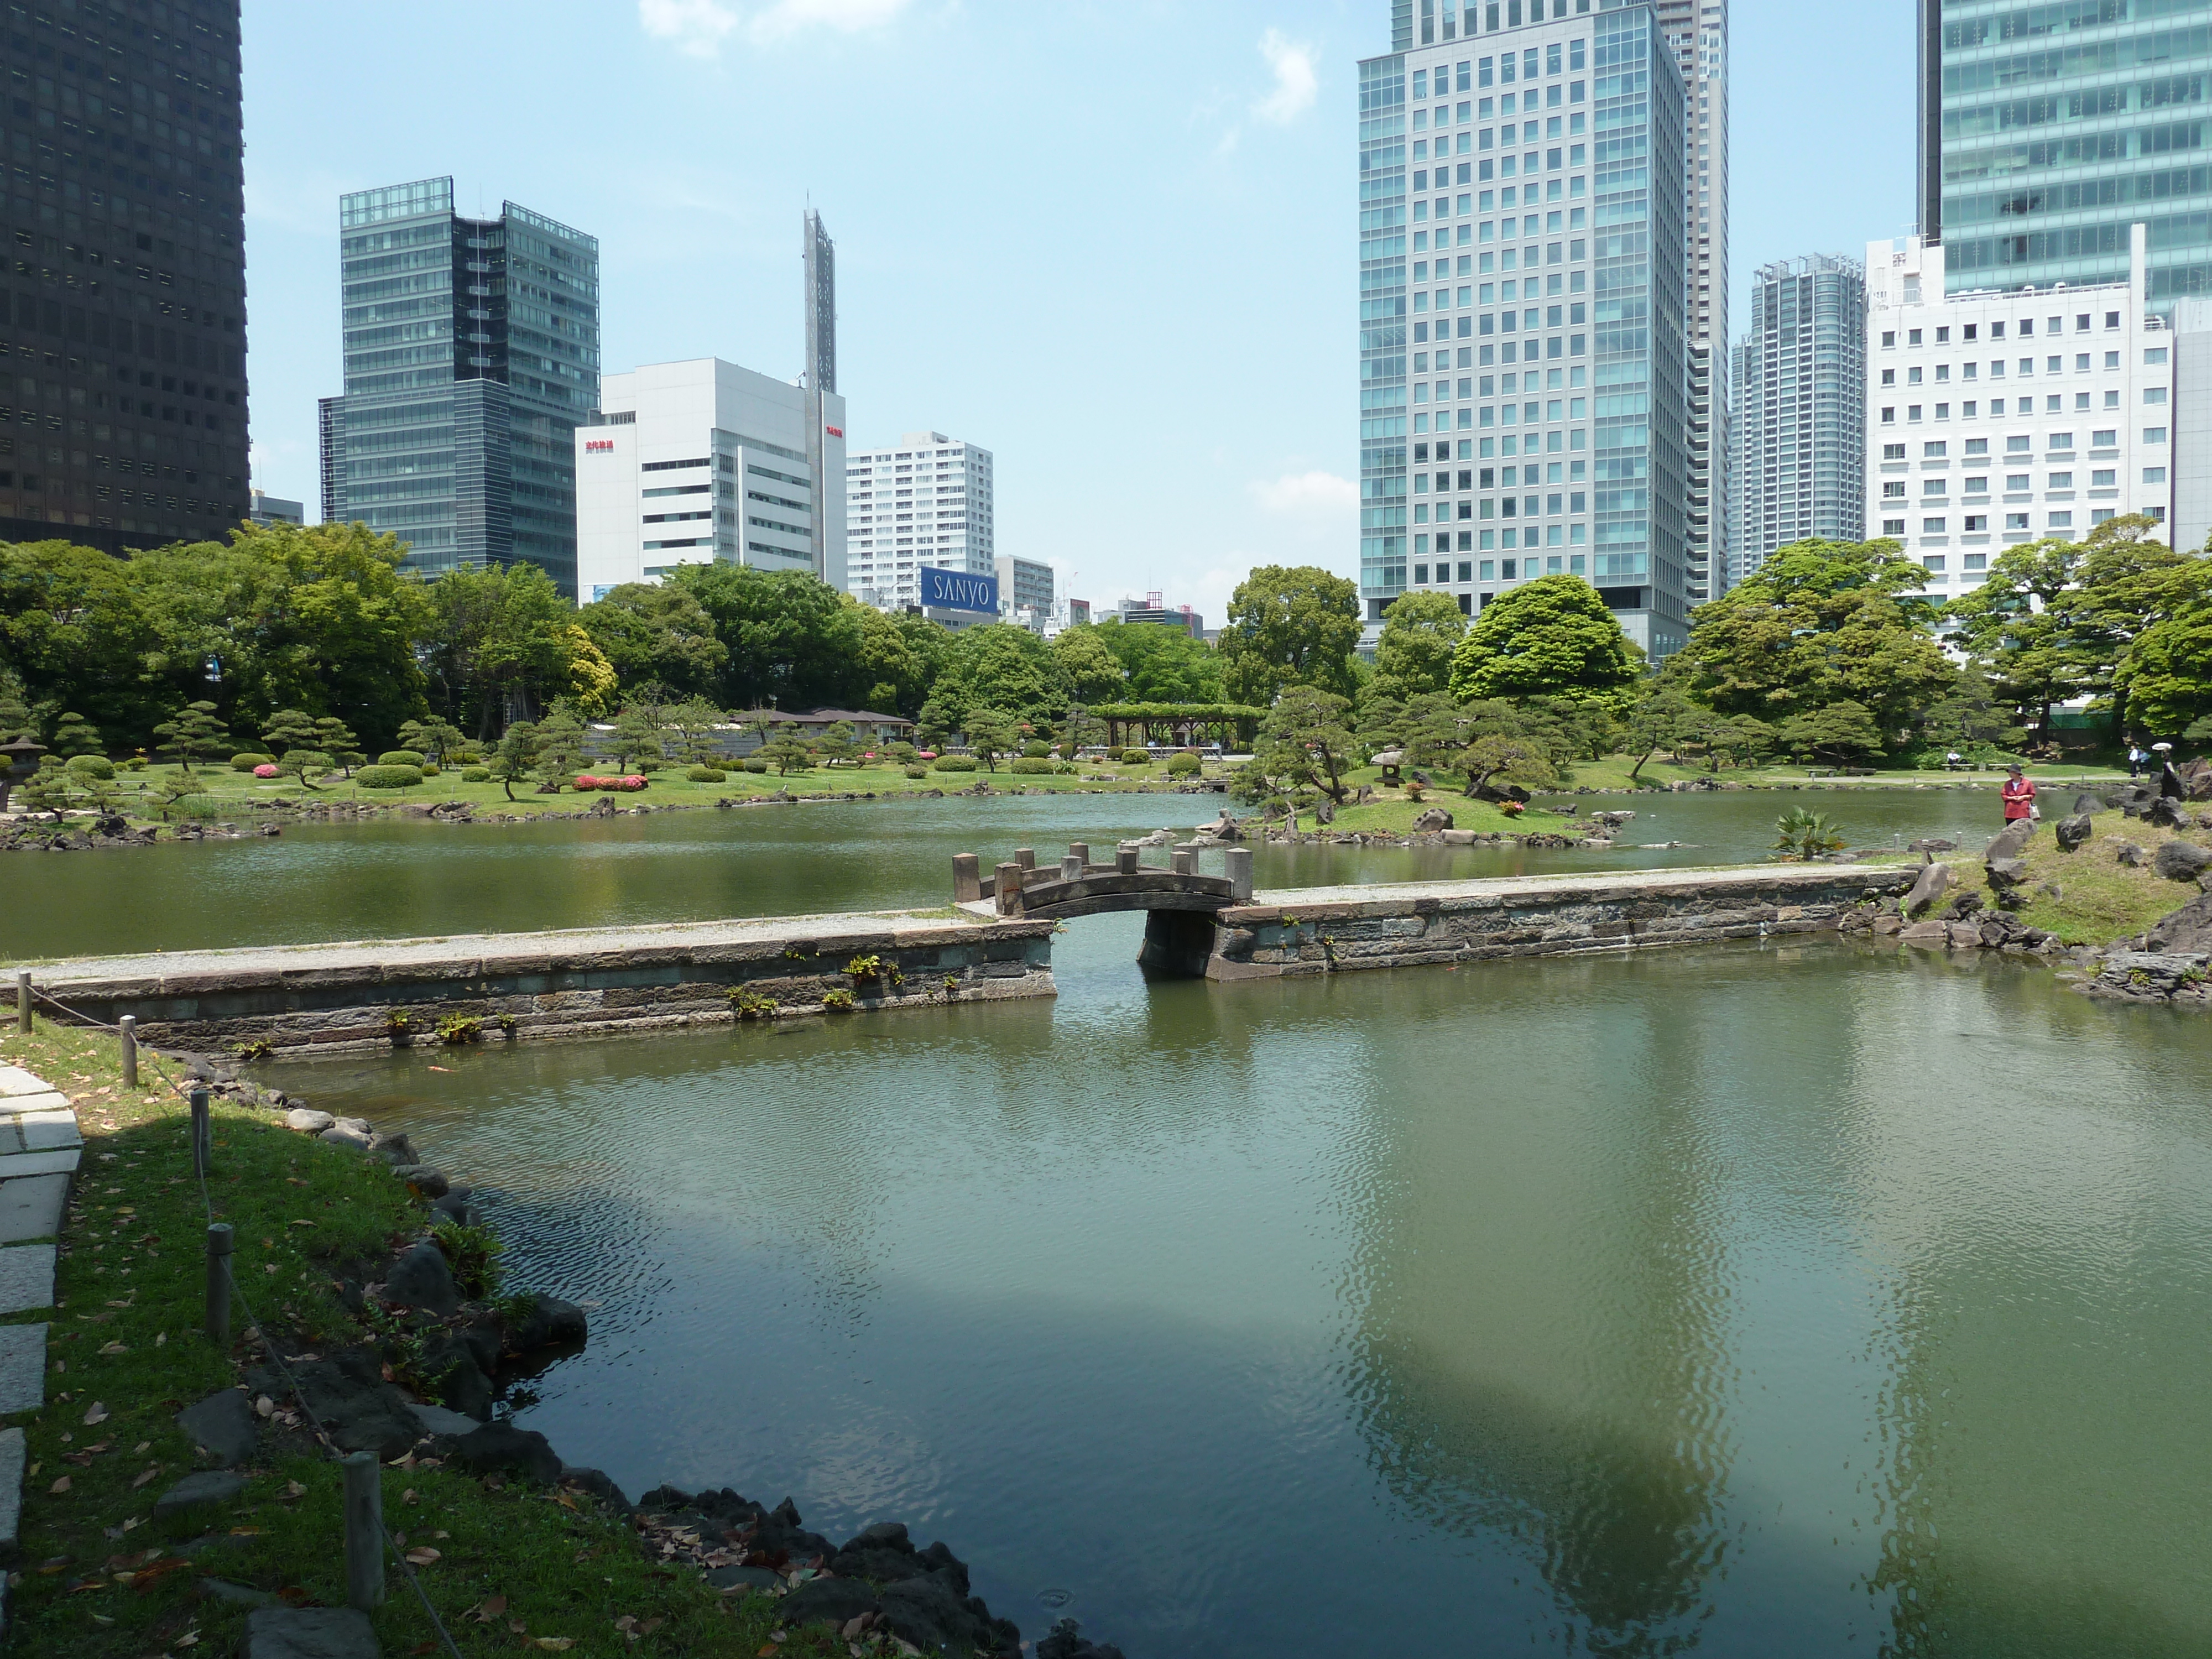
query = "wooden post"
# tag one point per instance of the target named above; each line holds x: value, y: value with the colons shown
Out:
x: 1009, y: 890
x: 967, y: 877
x: 200, y: 1137
x: 23, y: 1003
x: 129, y: 1025
x: 219, y: 1242
x: 1240, y: 874
x: 1126, y: 858
x: 364, y: 1531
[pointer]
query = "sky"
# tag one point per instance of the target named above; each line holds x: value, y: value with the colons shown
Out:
x: 1113, y: 241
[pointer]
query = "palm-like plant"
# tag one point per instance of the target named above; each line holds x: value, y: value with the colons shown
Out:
x: 1806, y: 835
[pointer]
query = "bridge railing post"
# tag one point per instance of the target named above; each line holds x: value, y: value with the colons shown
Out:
x: 1125, y: 858
x: 967, y: 877
x: 1025, y: 857
x: 1081, y: 851
x: 1009, y: 890
x: 1185, y: 860
x: 1071, y: 867
x: 1240, y: 874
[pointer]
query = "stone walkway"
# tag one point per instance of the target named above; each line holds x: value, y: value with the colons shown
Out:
x: 40, y: 1147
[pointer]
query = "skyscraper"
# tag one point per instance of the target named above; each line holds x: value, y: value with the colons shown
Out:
x: 1798, y: 428
x: 927, y: 501
x: 471, y: 353
x: 1544, y: 292
x: 122, y: 409
x: 820, y: 381
x: 1697, y: 30
x: 2047, y: 130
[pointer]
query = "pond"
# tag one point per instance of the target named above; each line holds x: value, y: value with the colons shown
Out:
x: 395, y: 879
x: 1749, y: 1301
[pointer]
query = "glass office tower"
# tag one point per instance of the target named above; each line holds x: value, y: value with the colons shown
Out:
x: 1799, y: 426
x: 1524, y: 397
x: 123, y: 413
x: 2047, y: 129
x: 471, y: 354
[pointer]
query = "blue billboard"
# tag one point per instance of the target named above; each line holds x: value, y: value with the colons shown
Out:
x: 957, y: 590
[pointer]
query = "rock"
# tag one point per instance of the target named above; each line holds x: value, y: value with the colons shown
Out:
x: 550, y: 1323
x: 2150, y: 976
x: 1925, y: 933
x: 244, y: 1595
x: 1435, y: 818
x: 223, y: 1425
x: 423, y: 1180
x: 2128, y: 854
x: 924, y: 1611
x: 2181, y: 861
x: 1066, y: 1642
x: 438, y: 1419
x: 397, y: 1147
x: 597, y: 1483
x: 340, y: 1134
x: 2085, y: 805
x: 2072, y: 832
x: 1934, y: 881
x: 309, y: 1633
x: 1933, y: 844
x: 2196, y: 778
x: 745, y: 1578
x: 1460, y: 837
x: 206, y: 1489
x: 2011, y: 840
x: 309, y: 1122
x: 2188, y: 928
x: 832, y: 1600
x: 421, y: 1278
x: 347, y: 1391
x: 2165, y: 813
x: 458, y: 1381
x: 502, y: 1447
x: 2005, y: 873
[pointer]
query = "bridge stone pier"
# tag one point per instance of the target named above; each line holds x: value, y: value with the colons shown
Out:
x: 1180, y: 904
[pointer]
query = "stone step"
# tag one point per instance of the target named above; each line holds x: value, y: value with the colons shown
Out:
x: 27, y: 1277
x: 15, y: 1165
x: 22, y: 1368
x: 11, y: 1491
x: 39, y: 1132
x: 43, y: 1100
x: 31, y: 1208
x: 15, y: 1080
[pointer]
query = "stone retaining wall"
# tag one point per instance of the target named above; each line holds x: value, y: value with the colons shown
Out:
x: 337, y: 998
x: 1426, y: 923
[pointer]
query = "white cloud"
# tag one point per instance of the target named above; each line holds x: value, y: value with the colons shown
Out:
x: 1297, y: 81
x: 1307, y: 495
x: 698, y: 28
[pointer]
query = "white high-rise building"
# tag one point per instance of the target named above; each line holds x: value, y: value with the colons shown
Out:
x: 927, y: 501
x: 1797, y: 429
x: 1699, y: 32
x: 2003, y: 417
x: 702, y: 461
x: 1025, y: 593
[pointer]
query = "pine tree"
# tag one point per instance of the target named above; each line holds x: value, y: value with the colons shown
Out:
x: 335, y: 738
x: 76, y: 735
x: 194, y: 733
x: 289, y: 728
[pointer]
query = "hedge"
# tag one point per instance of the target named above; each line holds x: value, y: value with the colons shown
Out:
x: 1032, y: 766
x: 955, y: 764
x: 247, y: 762
x: 476, y: 774
x: 706, y: 774
x: 92, y: 766
x: 381, y: 776
x: 401, y: 758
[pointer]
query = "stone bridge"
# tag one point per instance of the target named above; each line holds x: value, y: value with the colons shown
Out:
x: 1180, y: 904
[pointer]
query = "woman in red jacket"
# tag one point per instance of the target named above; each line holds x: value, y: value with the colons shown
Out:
x: 2019, y: 796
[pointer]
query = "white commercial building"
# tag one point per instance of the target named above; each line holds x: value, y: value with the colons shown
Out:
x: 2192, y: 421
x: 2002, y: 416
x: 927, y: 502
x: 1025, y: 593
x: 695, y: 462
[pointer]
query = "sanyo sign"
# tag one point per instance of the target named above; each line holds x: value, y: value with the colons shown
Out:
x: 956, y: 590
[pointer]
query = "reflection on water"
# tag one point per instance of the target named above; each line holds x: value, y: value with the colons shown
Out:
x: 399, y: 879
x: 1740, y: 1301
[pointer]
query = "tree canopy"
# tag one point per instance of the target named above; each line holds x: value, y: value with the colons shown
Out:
x: 1421, y: 630
x: 1550, y: 637
x: 1289, y: 625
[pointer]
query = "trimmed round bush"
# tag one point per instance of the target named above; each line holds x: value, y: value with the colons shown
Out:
x: 1136, y: 757
x: 247, y: 762
x: 955, y: 764
x: 1185, y: 766
x: 429, y: 771
x: 92, y: 766
x: 706, y: 774
x: 1032, y: 766
x: 917, y: 771
x: 476, y: 774
x: 401, y: 758
x: 381, y: 776
x: 1035, y: 750
x: 756, y: 767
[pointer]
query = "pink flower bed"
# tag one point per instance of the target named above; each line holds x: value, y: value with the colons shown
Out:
x: 635, y: 781
x: 266, y: 772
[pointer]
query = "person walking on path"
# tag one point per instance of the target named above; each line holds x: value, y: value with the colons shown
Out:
x: 2019, y: 795
x: 2135, y: 758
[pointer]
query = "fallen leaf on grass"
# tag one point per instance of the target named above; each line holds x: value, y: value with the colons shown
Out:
x: 293, y: 1489
x: 111, y: 1347
x: 424, y: 1556
x: 144, y: 1478
x: 98, y: 1414
x: 60, y: 1486
x: 556, y: 1644
x: 493, y: 1606
x: 143, y: 1445
x: 409, y: 1497
x: 303, y: 1223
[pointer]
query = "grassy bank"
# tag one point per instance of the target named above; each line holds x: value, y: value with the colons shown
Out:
x: 2099, y: 899
x: 508, y: 1566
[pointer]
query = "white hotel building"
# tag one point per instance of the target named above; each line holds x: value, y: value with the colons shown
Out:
x: 695, y: 462
x: 927, y: 500
x: 1998, y: 417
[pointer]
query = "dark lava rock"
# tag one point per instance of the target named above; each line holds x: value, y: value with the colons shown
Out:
x: 596, y: 1482
x: 457, y: 1380
x: 425, y: 1181
x: 2188, y: 929
x: 502, y: 1447
x: 223, y: 1425
x: 729, y: 1579
x: 2166, y: 814
x: 2129, y: 854
x: 397, y: 1147
x: 925, y: 1612
x: 1066, y: 1642
x: 1933, y: 844
x: 347, y: 1392
x: 422, y: 1278
x: 2072, y: 832
x: 205, y: 1490
x: 2181, y: 861
x: 834, y: 1600
x: 550, y: 1323
x: 309, y: 1633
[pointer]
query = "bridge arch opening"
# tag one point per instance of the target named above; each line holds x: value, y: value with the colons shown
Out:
x: 1179, y: 902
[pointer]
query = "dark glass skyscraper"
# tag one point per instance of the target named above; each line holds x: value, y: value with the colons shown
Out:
x: 123, y: 413
x: 472, y: 355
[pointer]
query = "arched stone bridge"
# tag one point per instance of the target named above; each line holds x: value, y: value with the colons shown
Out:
x: 1180, y: 903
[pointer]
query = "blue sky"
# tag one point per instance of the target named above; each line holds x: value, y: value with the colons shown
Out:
x: 1112, y: 241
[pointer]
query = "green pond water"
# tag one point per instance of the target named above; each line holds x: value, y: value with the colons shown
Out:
x: 1805, y: 1299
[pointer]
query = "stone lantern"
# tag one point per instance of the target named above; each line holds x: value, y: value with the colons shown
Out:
x: 18, y: 760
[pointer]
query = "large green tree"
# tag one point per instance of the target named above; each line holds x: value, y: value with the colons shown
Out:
x: 1305, y: 743
x: 900, y: 657
x: 1289, y: 625
x: 75, y: 634
x: 1552, y: 637
x: 794, y: 641
x: 1420, y: 631
x: 1819, y: 623
x: 999, y: 666
x: 1162, y: 663
x: 502, y: 645
x: 657, y: 632
x: 1094, y: 674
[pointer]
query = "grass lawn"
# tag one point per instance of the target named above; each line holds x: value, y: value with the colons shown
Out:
x: 101, y: 1580
x: 2100, y: 899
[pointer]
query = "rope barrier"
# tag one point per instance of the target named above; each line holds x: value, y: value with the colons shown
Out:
x: 269, y: 1345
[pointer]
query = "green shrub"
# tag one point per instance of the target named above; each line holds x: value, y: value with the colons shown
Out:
x: 751, y: 1004
x: 136, y: 764
x: 429, y: 771
x: 476, y: 774
x: 401, y: 758
x: 472, y: 1253
x: 197, y: 806
x: 455, y: 1031
x: 838, y: 1001
x: 917, y: 771
x: 92, y: 766
x: 381, y: 776
x: 651, y: 765
x: 706, y: 774
x: 247, y: 762
x: 1135, y: 757
x: 756, y: 767
x: 1031, y: 765
x: 956, y: 763
x: 1185, y: 765
x: 1035, y: 751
